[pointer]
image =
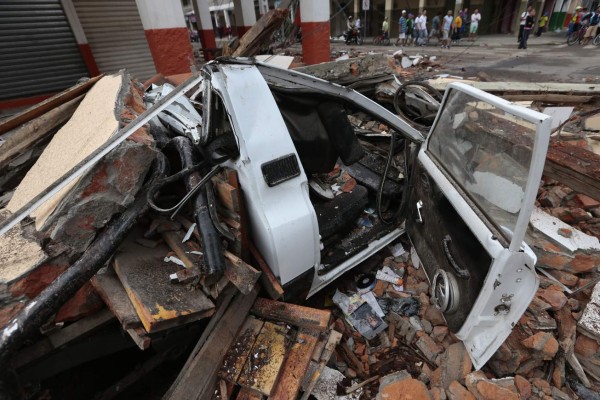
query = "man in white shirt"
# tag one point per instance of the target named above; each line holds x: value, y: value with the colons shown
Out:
x: 475, y: 18
x: 421, y: 27
x: 446, y: 26
x: 524, y: 15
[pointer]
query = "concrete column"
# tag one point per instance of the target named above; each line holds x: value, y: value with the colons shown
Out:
x: 315, y: 31
x: 82, y: 43
x: 205, y: 27
x: 167, y: 35
x: 421, y: 5
x: 226, y: 16
x: 263, y: 6
x: 245, y: 16
x: 389, y: 7
x: 457, y: 8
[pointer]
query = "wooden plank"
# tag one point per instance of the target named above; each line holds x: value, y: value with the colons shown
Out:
x: 300, y: 316
x: 139, y: 336
x: 268, y: 280
x: 47, y: 105
x: 243, y: 217
x: 248, y: 394
x: 34, y: 131
x: 198, y: 377
x: 183, y: 250
x: 266, y: 358
x: 549, y: 98
x: 240, y: 350
x: 332, y: 341
x: 159, y: 303
x: 295, y: 366
x: 538, y: 87
x: 61, y: 337
x: 226, y: 194
x: 109, y: 287
x: 353, y: 361
x: 259, y: 35
x: 242, y: 275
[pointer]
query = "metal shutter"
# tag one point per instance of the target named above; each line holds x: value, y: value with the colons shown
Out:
x: 116, y: 36
x: 38, y: 52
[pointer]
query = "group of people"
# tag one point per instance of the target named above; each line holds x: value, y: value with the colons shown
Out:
x: 449, y: 29
x: 582, y: 17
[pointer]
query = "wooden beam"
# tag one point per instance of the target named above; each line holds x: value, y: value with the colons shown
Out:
x: 243, y: 220
x: 35, y: 130
x: 110, y: 289
x: 266, y: 358
x: 240, y: 350
x: 183, y: 250
x: 198, y: 378
x: 226, y: 194
x: 524, y: 87
x: 549, y: 98
x: 268, y: 280
x: 295, y: 366
x: 48, y: 104
x: 159, y: 303
x: 300, y: 316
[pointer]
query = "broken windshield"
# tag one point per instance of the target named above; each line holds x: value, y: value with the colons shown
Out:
x: 487, y: 152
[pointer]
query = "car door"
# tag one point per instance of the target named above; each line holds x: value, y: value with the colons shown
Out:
x: 473, y: 188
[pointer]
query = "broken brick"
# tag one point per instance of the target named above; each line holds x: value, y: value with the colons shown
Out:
x: 455, y: 364
x: 456, y: 391
x: 583, y: 201
x: 555, y: 298
x: 523, y: 387
x: 428, y: 347
x: 489, y: 390
x: 543, y: 342
x: 586, y: 346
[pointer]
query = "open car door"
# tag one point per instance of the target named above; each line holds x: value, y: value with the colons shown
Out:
x: 472, y: 192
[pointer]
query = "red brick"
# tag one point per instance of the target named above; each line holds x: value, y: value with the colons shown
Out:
x: 585, y: 202
x: 491, y: 391
x: 439, y: 333
x: 523, y: 387
x: 586, y: 347
x: 438, y: 394
x: 428, y: 347
x: 406, y: 389
x: 542, y: 385
x: 555, y: 298
x: 584, y: 263
x: 456, y: 391
x: 7, y: 312
x: 543, y: 342
x: 33, y: 283
x: 455, y: 363
x: 85, y: 302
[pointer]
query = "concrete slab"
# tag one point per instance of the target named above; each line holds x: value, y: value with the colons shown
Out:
x: 558, y: 114
x: 550, y: 226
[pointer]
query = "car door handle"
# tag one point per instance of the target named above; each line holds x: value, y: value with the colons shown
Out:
x: 461, y: 272
x: 419, y: 206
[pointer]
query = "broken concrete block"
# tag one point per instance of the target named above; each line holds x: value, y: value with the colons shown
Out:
x: 488, y: 389
x: 592, y: 123
x: 71, y: 217
x: 18, y: 254
x: 576, y: 254
x: 558, y: 114
x: 428, y: 347
x: 590, y: 319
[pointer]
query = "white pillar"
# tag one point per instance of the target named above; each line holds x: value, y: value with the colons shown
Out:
x: 82, y: 43
x: 314, y: 15
x: 167, y: 35
x: 205, y: 27
x: 245, y: 16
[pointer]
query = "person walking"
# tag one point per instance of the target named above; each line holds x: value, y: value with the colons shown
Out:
x: 402, y: 27
x: 529, y: 22
x: 475, y: 18
x: 410, y: 29
x: 542, y: 24
x: 435, y: 27
x: 446, y: 26
x: 464, y: 16
x: 456, y: 29
x: 385, y: 28
x: 524, y: 15
x: 421, y: 28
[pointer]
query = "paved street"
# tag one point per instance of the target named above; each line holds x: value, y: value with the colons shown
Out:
x: 547, y: 58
